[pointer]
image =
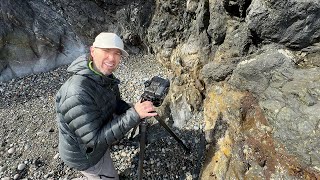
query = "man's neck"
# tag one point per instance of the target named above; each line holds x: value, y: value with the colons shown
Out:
x: 94, y: 69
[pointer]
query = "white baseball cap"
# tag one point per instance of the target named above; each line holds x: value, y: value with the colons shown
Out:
x: 109, y: 40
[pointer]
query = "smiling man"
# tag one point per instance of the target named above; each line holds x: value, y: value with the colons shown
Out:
x: 91, y: 115
x: 106, y: 52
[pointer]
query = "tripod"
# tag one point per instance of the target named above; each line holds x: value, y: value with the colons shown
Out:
x: 142, y: 130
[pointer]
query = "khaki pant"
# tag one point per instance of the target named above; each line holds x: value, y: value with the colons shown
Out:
x: 104, y: 169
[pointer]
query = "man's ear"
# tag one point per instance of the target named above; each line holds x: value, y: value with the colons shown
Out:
x: 91, y: 51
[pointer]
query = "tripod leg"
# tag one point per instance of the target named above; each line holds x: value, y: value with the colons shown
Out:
x: 163, y: 124
x: 142, y: 131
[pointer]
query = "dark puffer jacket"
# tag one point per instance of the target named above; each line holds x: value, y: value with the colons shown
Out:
x: 85, y: 105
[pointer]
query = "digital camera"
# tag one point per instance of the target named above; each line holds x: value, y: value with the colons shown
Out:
x: 156, y: 90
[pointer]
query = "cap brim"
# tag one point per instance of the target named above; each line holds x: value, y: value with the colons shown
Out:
x: 123, y: 52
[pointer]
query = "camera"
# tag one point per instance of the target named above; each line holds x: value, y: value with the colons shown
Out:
x: 156, y: 90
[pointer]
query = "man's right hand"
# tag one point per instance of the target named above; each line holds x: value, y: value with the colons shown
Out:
x: 145, y: 109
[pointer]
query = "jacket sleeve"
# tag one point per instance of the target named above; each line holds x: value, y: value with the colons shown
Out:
x: 120, y: 125
x: 88, y: 124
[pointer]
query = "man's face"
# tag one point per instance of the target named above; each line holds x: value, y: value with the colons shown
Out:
x: 105, y: 60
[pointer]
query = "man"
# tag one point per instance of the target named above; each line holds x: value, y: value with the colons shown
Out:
x: 90, y: 113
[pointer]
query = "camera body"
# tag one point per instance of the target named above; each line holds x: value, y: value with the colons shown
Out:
x: 156, y: 90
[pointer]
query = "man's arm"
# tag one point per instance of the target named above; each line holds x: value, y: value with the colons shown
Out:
x: 85, y: 119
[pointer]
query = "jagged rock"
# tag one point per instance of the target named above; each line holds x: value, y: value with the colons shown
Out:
x: 254, y: 74
x: 218, y: 23
x: 241, y: 142
x: 294, y: 23
x: 288, y: 96
x: 309, y: 56
x: 291, y: 103
x: 238, y: 43
x: 217, y: 71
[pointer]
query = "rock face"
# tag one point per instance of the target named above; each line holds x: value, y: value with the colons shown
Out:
x: 253, y: 62
x: 292, y: 23
x: 252, y: 67
x: 257, y: 133
x: 39, y: 35
x: 34, y: 38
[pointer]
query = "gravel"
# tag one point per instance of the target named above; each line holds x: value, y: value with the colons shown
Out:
x: 29, y: 135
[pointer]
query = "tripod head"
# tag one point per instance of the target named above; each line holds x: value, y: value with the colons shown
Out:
x: 156, y: 90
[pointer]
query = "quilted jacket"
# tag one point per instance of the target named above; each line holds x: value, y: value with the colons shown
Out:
x: 86, y: 105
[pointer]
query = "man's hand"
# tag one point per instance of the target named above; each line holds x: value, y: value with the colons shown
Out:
x: 145, y: 109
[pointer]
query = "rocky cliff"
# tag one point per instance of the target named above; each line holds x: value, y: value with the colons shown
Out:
x: 251, y: 66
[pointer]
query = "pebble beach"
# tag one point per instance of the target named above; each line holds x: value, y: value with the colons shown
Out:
x: 29, y: 134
